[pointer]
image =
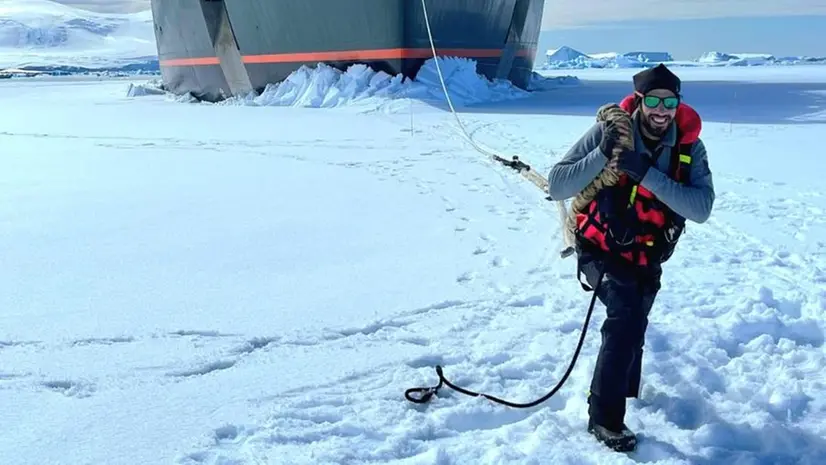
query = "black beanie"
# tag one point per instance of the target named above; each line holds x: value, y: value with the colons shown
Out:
x: 658, y: 77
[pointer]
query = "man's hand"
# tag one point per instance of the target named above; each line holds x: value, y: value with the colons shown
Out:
x: 610, y: 139
x: 634, y: 164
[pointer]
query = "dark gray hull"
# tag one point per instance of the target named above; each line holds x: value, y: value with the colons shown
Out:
x: 218, y: 48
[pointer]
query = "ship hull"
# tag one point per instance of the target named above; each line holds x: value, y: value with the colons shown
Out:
x: 216, y: 49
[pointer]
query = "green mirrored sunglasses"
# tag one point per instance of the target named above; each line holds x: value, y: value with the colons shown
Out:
x: 651, y: 101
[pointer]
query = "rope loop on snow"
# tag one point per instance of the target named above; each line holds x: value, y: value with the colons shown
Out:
x: 427, y: 393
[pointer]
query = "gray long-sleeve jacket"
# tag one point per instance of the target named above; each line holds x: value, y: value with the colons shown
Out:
x: 584, y: 161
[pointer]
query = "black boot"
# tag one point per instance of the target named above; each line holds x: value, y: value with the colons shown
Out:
x: 621, y: 441
x: 606, y: 423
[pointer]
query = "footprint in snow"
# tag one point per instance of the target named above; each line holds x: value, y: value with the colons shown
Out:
x: 484, y: 418
x: 102, y: 341
x: 204, y: 369
x: 70, y: 388
x: 5, y: 344
x: 570, y: 326
x: 426, y: 361
x: 448, y: 202
x: 415, y: 340
x: 253, y: 345
x: 686, y: 413
x: 200, y: 333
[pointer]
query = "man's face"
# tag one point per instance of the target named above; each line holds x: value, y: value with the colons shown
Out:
x: 658, y: 109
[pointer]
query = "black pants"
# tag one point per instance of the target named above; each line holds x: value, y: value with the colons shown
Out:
x: 628, y: 296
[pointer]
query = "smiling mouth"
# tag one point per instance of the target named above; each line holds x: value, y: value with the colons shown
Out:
x: 659, y: 120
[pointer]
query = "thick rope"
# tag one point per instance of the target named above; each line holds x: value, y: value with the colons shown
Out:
x: 612, y: 114
x: 513, y: 161
x: 607, y: 177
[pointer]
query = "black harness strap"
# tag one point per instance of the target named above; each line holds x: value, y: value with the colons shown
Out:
x: 680, y: 171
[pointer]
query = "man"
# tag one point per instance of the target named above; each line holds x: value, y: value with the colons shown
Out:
x: 629, y: 229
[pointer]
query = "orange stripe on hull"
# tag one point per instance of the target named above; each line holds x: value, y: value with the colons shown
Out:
x: 526, y: 52
x: 191, y: 61
x: 350, y: 55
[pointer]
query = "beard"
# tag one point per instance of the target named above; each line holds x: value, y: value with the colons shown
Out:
x: 656, y: 131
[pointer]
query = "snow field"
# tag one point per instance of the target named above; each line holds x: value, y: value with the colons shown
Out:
x: 265, y: 290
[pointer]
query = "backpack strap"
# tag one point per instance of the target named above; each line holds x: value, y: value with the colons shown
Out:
x: 680, y: 166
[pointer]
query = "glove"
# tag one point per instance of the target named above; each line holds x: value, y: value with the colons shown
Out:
x: 610, y: 139
x: 634, y: 164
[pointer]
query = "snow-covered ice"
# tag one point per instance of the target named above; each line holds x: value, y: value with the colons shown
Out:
x: 323, y: 86
x: 44, y: 32
x: 566, y: 57
x: 225, y: 284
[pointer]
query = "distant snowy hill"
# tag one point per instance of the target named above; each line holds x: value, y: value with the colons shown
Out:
x: 647, y: 57
x: 754, y: 59
x: 563, y: 54
x: 574, y: 59
x: 43, y: 32
x: 567, y: 57
x: 715, y: 57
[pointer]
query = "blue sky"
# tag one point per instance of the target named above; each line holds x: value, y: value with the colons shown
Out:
x: 688, y: 38
x: 560, y: 13
x: 685, y: 28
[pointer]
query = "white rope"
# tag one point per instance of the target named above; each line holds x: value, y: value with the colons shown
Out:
x: 484, y: 150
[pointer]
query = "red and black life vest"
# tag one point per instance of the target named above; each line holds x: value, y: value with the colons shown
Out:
x: 628, y: 220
